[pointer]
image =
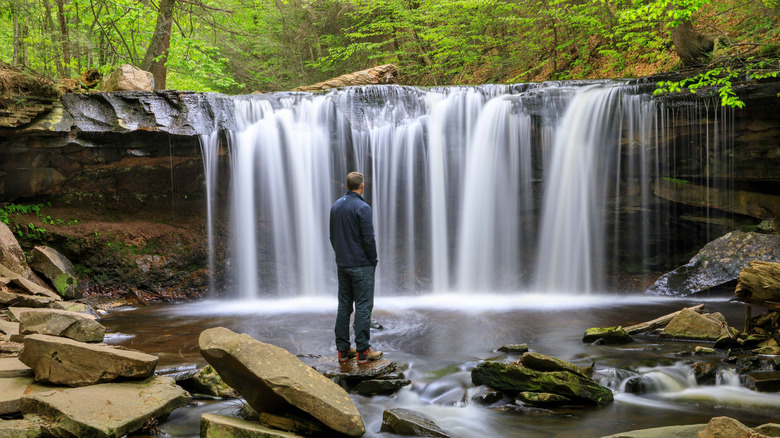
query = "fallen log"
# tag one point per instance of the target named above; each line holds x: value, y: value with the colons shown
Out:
x: 383, y: 74
x: 659, y: 322
x: 759, y: 283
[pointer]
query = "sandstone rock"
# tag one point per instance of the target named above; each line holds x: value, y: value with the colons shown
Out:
x: 10, y: 347
x: 759, y: 283
x: 540, y: 362
x: 290, y: 423
x: 220, y: 426
x: 514, y: 348
x: 72, y: 306
x: 9, y: 328
x: 719, y: 262
x: 11, y: 254
x: 64, y: 361
x: 13, y: 367
x: 769, y: 429
x: 58, y: 269
x: 691, y: 325
x: 270, y: 379
x: 351, y: 371
x: 704, y: 373
x: 15, y: 313
x: 687, y: 431
x: 128, y: 78
x: 382, y: 74
x: 410, y: 423
x: 609, y: 335
x: 703, y: 350
x: 763, y: 381
x: 511, y: 377
x: 35, y: 288
x: 24, y: 300
x: 20, y: 429
x: 73, y: 325
x: 725, y: 427
x: 106, y: 410
x: 12, y: 389
x: 207, y: 381
x: 380, y: 387
x: 542, y: 399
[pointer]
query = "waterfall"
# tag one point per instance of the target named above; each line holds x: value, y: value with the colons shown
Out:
x: 209, y: 145
x: 474, y: 189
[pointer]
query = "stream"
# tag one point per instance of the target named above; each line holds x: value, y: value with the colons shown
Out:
x: 441, y: 337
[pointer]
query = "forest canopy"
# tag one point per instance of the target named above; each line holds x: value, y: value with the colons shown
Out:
x: 240, y: 46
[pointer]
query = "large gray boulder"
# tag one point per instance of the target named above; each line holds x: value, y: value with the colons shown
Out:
x: 692, y: 326
x: 106, y: 410
x: 127, y: 77
x: 719, y: 262
x: 73, y: 325
x: 272, y: 380
x: 58, y: 269
x: 64, y: 361
x: 220, y: 426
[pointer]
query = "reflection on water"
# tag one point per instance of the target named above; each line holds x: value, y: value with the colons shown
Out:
x: 442, y: 337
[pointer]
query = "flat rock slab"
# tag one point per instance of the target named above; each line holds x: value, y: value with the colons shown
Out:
x: 9, y: 328
x: 220, y: 426
x: 763, y: 381
x: 687, y: 431
x: 20, y: 429
x: 106, y: 410
x: 64, y: 361
x: 273, y: 380
x: 12, y: 389
x: 73, y: 325
x: 14, y: 313
x: 410, y: 423
x: 35, y: 288
x: 24, y: 300
x: 693, y: 326
x: 13, y: 367
x: 12, y: 348
x: 350, y: 370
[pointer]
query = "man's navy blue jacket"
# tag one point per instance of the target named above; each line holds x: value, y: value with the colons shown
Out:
x: 352, y: 232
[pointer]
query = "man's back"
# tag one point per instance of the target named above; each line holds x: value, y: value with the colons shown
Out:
x: 352, y: 231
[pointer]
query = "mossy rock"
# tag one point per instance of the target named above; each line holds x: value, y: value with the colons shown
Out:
x: 610, y: 335
x: 542, y: 399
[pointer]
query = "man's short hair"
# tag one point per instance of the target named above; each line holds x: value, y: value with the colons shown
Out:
x: 354, y: 180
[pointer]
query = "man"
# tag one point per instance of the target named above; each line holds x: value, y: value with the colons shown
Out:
x: 352, y: 237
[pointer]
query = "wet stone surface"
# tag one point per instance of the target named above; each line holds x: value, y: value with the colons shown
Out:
x: 351, y: 371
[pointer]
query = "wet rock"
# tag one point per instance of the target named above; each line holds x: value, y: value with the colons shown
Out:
x: 688, y: 431
x: 540, y: 362
x: 610, y: 335
x: 511, y: 377
x: 207, y: 381
x: 410, y: 423
x: 729, y: 340
x: 292, y: 423
x: 220, y: 426
x: 763, y: 381
x: 704, y: 372
x: 64, y: 361
x: 693, y: 326
x: 514, y: 348
x: 542, y: 399
x: 725, y: 427
x: 719, y: 262
x: 13, y: 367
x: 699, y: 350
x: 380, y: 387
x: 73, y: 325
x: 58, y: 269
x: 105, y: 410
x: 20, y: 429
x: 759, y: 283
x: 769, y: 351
x: 127, y: 77
x: 636, y: 385
x: 272, y: 380
x: 769, y: 429
x: 487, y: 396
x: 351, y: 371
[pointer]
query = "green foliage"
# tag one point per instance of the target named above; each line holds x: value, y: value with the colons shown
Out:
x: 10, y: 215
x: 717, y: 80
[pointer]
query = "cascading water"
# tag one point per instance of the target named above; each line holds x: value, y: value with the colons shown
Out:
x: 474, y: 189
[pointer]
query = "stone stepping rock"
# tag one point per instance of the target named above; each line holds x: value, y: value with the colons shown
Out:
x: 270, y: 378
x: 105, y: 410
x: 219, y: 426
x: 14, y: 313
x: 64, y: 361
x: 350, y: 370
x: 13, y: 367
x: 73, y: 325
x: 410, y: 423
x: 514, y: 348
x: 12, y: 389
x: 380, y: 387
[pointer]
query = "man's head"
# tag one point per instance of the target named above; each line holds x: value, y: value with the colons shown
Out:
x: 355, y: 182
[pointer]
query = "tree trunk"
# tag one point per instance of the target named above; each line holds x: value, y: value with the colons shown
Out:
x: 17, y: 36
x: 383, y: 74
x: 157, y: 53
x: 64, y: 67
x: 692, y: 47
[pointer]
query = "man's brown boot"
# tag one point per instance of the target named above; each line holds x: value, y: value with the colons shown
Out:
x: 368, y: 355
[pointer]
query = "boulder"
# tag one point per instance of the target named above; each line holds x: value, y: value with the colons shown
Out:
x: 9, y: 328
x: 693, y: 326
x: 127, y: 77
x: 290, y: 423
x: 271, y: 380
x: 20, y: 429
x: 759, y: 283
x: 207, y: 381
x: 704, y: 373
x: 73, y: 325
x: 15, y: 313
x: 24, y: 300
x: 725, y: 427
x: 514, y: 348
x: 35, y: 288
x: 64, y: 361
x: 610, y: 335
x: 769, y: 429
x: 687, y: 431
x: 220, y: 426
x: 351, y: 371
x: 11, y: 254
x: 13, y: 367
x: 106, y: 410
x: 703, y: 350
x: 719, y: 262
x: 763, y: 381
x: 58, y: 269
x: 71, y: 306
x: 540, y: 362
x: 513, y: 377
x: 542, y: 399
x: 380, y: 386
x: 410, y: 423
x: 12, y: 389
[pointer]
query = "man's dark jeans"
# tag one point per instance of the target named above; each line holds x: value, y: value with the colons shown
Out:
x: 355, y: 285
